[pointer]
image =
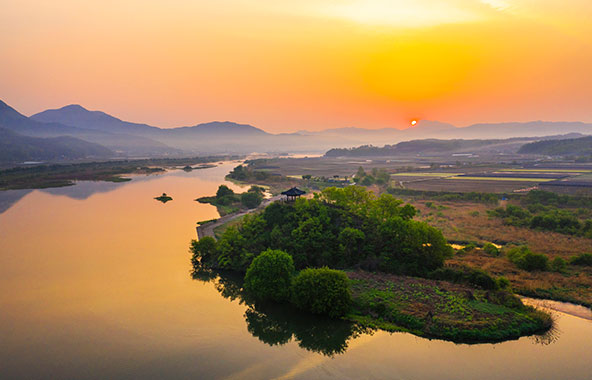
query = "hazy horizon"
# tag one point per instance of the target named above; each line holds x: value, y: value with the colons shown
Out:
x: 314, y: 65
x: 416, y: 125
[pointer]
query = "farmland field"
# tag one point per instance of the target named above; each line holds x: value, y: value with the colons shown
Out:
x: 461, y: 184
x: 501, y: 179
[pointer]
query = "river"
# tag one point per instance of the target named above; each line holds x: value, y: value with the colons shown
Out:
x: 95, y: 284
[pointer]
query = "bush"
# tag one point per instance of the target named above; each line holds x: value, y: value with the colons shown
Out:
x: 466, y: 275
x: 322, y: 291
x: 558, y: 264
x: 270, y: 275
x: 251, y: 199
x: 527, y: 260
x: 467, y: 248
x: 585, y: 259
x: 491, y: 249
x: 503, y: 283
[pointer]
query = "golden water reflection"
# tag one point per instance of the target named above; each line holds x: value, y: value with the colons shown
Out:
x: 98, y: 285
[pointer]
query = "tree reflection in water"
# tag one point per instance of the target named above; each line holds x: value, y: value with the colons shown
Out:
x: 278, y: 324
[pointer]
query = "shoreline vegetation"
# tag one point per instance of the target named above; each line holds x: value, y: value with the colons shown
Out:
x: 554, y: 225
x: 387, y: 270
x: 227, y: 201
x: 59, y: 175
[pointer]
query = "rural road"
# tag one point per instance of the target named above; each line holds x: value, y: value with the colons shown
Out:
x: 208, y: 228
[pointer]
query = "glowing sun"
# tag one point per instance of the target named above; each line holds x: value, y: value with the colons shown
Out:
x: 413, y: 122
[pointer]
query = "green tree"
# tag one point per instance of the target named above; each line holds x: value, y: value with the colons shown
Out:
x: 204, y: 251
x: 411, y: 247
x: 322, y: 291
x: 239, y: 173
x: 251, y: 199
x: 360, y: 173
x: 269, y: 276
x: 223, y: 191
x: 527, y: 260
x: 351, y: 243
x: 491, y: 249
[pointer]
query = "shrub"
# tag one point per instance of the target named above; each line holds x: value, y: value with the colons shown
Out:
x: 585, y: 259
x: 270, y: 275
x: 527, y: 260
x: 558, y: 264
x: 467, y: 248
x: 466, y: 275
x: 482, y: 279
x: 491, y: 249
x: 322, y: 291
x: 251, y: 199
x: 256, y: 189
x: 503, y: 283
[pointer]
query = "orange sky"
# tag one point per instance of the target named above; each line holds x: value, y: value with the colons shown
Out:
x: 311, y: 64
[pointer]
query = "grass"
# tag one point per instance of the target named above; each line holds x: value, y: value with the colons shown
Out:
x: 467, y: 221
x: 218, y: 231
x: 440, y: 309
x: 574, y: 284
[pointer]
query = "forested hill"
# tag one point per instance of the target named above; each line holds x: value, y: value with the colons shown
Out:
x: 430, y: 146
x: 18, y: 148
x: 570, y: 147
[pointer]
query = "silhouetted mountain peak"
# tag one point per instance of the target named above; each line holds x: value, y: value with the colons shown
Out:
x: 74, y: 107
x: 216, y: 127
x: 74, y: 114
x: 431, y: 125
x: 9, y: 113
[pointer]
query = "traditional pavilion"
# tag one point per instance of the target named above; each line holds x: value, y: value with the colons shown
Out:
x: 293, y: 193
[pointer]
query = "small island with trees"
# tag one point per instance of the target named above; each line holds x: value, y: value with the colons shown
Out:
x: 348, y: 254
x: 228, y: 202
x: 164, y: 198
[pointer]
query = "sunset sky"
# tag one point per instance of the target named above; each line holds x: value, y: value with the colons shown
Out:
x: 308, y: 64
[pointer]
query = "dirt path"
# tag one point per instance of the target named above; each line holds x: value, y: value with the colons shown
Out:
x: 208, y: 228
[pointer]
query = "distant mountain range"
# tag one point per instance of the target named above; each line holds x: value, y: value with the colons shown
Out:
x: 15, y: 148
x: 122, y: 143
x: 129, y: 139
x: 567, y: 147
x: 438, y: 147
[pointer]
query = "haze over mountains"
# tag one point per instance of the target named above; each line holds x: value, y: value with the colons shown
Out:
x: 111, y: 136
x: 18, y: 148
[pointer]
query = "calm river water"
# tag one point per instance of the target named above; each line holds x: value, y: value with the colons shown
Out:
x: 95, y: 284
